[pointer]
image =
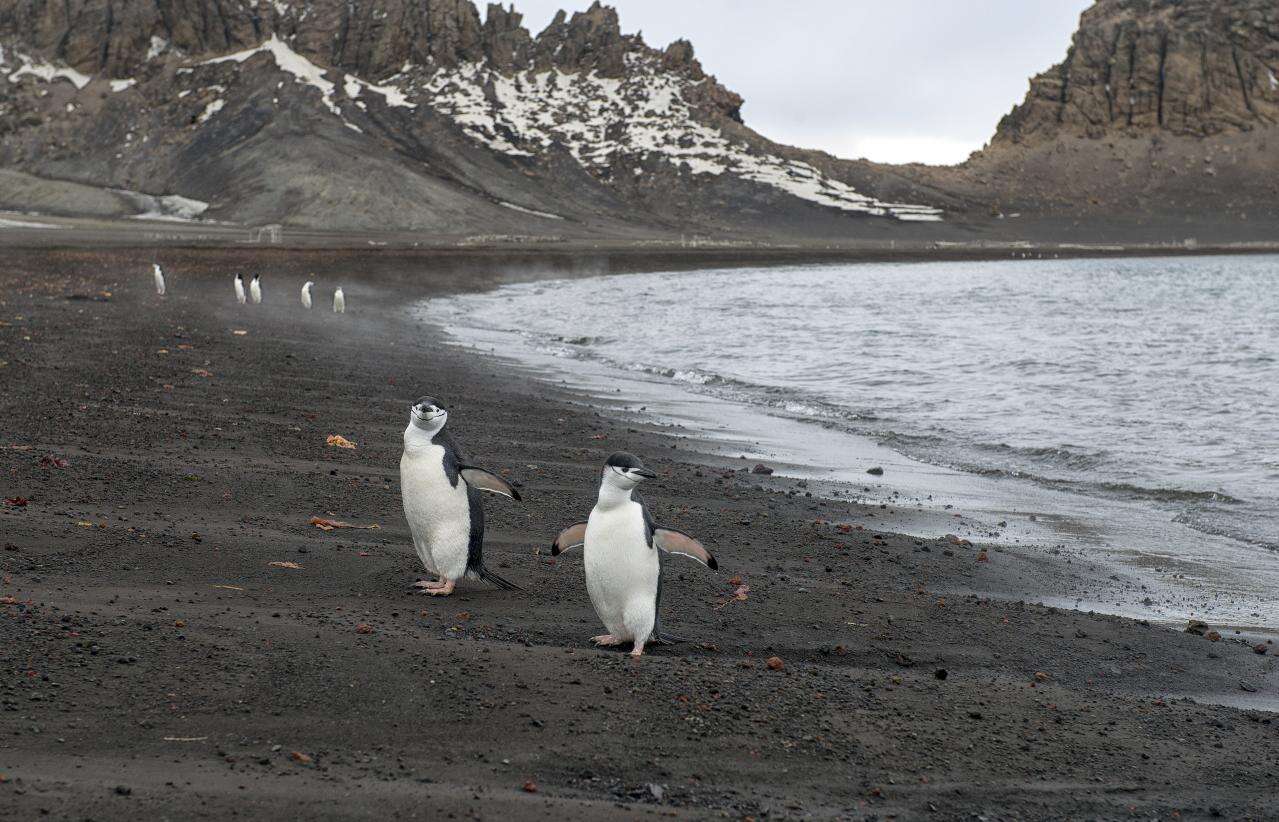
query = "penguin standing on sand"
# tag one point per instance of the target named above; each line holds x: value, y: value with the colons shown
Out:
x: 339, y: 302
x: 255, y: 289
x: 442, y: 502
x: 239, y: 290
x: 306, y: 295
x: 159, y: 278
x: 623, y: 556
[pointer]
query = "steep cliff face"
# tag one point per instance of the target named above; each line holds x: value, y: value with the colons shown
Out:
x: 1185, y: 67
x: 1162, y: 114
x: 493, y: 128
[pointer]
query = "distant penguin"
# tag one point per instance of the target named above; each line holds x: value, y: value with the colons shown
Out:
x: 255, y: 289
x: 339, y: 302
x: 442, y: 501
x: 306, y: 295
x: 623, y: 556
x: 159, y: 278
x: 239, y: 290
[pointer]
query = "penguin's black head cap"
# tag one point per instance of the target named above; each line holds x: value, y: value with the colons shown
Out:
x: 628, y: 465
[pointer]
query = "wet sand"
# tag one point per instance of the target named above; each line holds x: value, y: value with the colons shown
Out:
x: 155, y: 663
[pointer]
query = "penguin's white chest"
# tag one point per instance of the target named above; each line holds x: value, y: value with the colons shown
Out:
x: 621, y: 570
x: 438, y: 512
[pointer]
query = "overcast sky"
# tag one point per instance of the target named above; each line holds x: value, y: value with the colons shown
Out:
x: 899, y: 81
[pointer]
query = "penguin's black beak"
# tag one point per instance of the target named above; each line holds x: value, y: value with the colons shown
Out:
x: 644, y: 472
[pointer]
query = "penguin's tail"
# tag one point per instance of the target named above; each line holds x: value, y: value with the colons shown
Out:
x: 664, y: 638
x: 501, y: 582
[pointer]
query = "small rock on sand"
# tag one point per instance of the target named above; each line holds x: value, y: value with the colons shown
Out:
x: 876, y: 471
x: 761, y: 468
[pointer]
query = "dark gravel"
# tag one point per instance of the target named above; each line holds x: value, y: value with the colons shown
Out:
x: 154, y: 663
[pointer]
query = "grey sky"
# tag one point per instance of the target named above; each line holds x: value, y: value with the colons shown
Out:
x: 900, y: 81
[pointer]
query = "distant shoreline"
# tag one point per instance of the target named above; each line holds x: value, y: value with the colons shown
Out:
x: 622, y: 254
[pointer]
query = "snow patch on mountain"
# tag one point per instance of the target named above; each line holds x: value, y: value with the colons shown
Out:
x: 308, y: 73
x: 534, y: 212
x: 643, y: 114
x: 47, y: 72
x: 167, y: 207
x: 158, y: 46
x: 210, y: 110
x: 288, y: 60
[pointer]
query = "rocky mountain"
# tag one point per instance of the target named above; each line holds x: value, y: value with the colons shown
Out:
x: 407, y: 114
x: 1189, y: 68
x: 426, y: 116
x: 1162, y: 110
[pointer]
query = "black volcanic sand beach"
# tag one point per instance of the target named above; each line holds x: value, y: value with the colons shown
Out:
x: 157, y: 662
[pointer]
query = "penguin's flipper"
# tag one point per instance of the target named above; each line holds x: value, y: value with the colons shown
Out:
x: 487, y: 481
x: 570, y: 537
x: 678, y: 542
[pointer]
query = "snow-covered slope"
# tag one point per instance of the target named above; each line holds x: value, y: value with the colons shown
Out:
x: 642, y: 114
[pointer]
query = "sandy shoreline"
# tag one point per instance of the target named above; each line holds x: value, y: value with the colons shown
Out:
x: 156, y: 663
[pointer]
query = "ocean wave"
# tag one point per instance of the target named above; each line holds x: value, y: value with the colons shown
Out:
x: 1110, y: 490
x: 1231, y: 530
x: 1037, y: 464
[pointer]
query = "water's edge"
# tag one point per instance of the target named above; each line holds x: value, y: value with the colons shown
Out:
x: 920, y: 499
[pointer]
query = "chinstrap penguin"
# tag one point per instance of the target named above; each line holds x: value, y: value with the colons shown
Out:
x: 442, y: 504
x: 255, y: 289
x: 239, y: 290
x: 339, y: 302
x: 158, y: 273
x: 623, y: 550
x: 306, y: 295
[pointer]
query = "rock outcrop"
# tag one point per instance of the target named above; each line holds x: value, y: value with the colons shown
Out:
x: 1185, y: 67
x: 1160, y: 123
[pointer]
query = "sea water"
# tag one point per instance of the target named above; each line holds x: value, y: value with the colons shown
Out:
x: 1135, y: 400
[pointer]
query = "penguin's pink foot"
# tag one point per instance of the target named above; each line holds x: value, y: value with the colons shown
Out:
x: 606, y: 639
x: 637, y: 651
x: 443, y: 589
x: 427, y: 583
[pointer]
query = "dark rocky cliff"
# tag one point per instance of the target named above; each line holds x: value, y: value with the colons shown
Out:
x: 1162, y: 116
x: 1187, y: 67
